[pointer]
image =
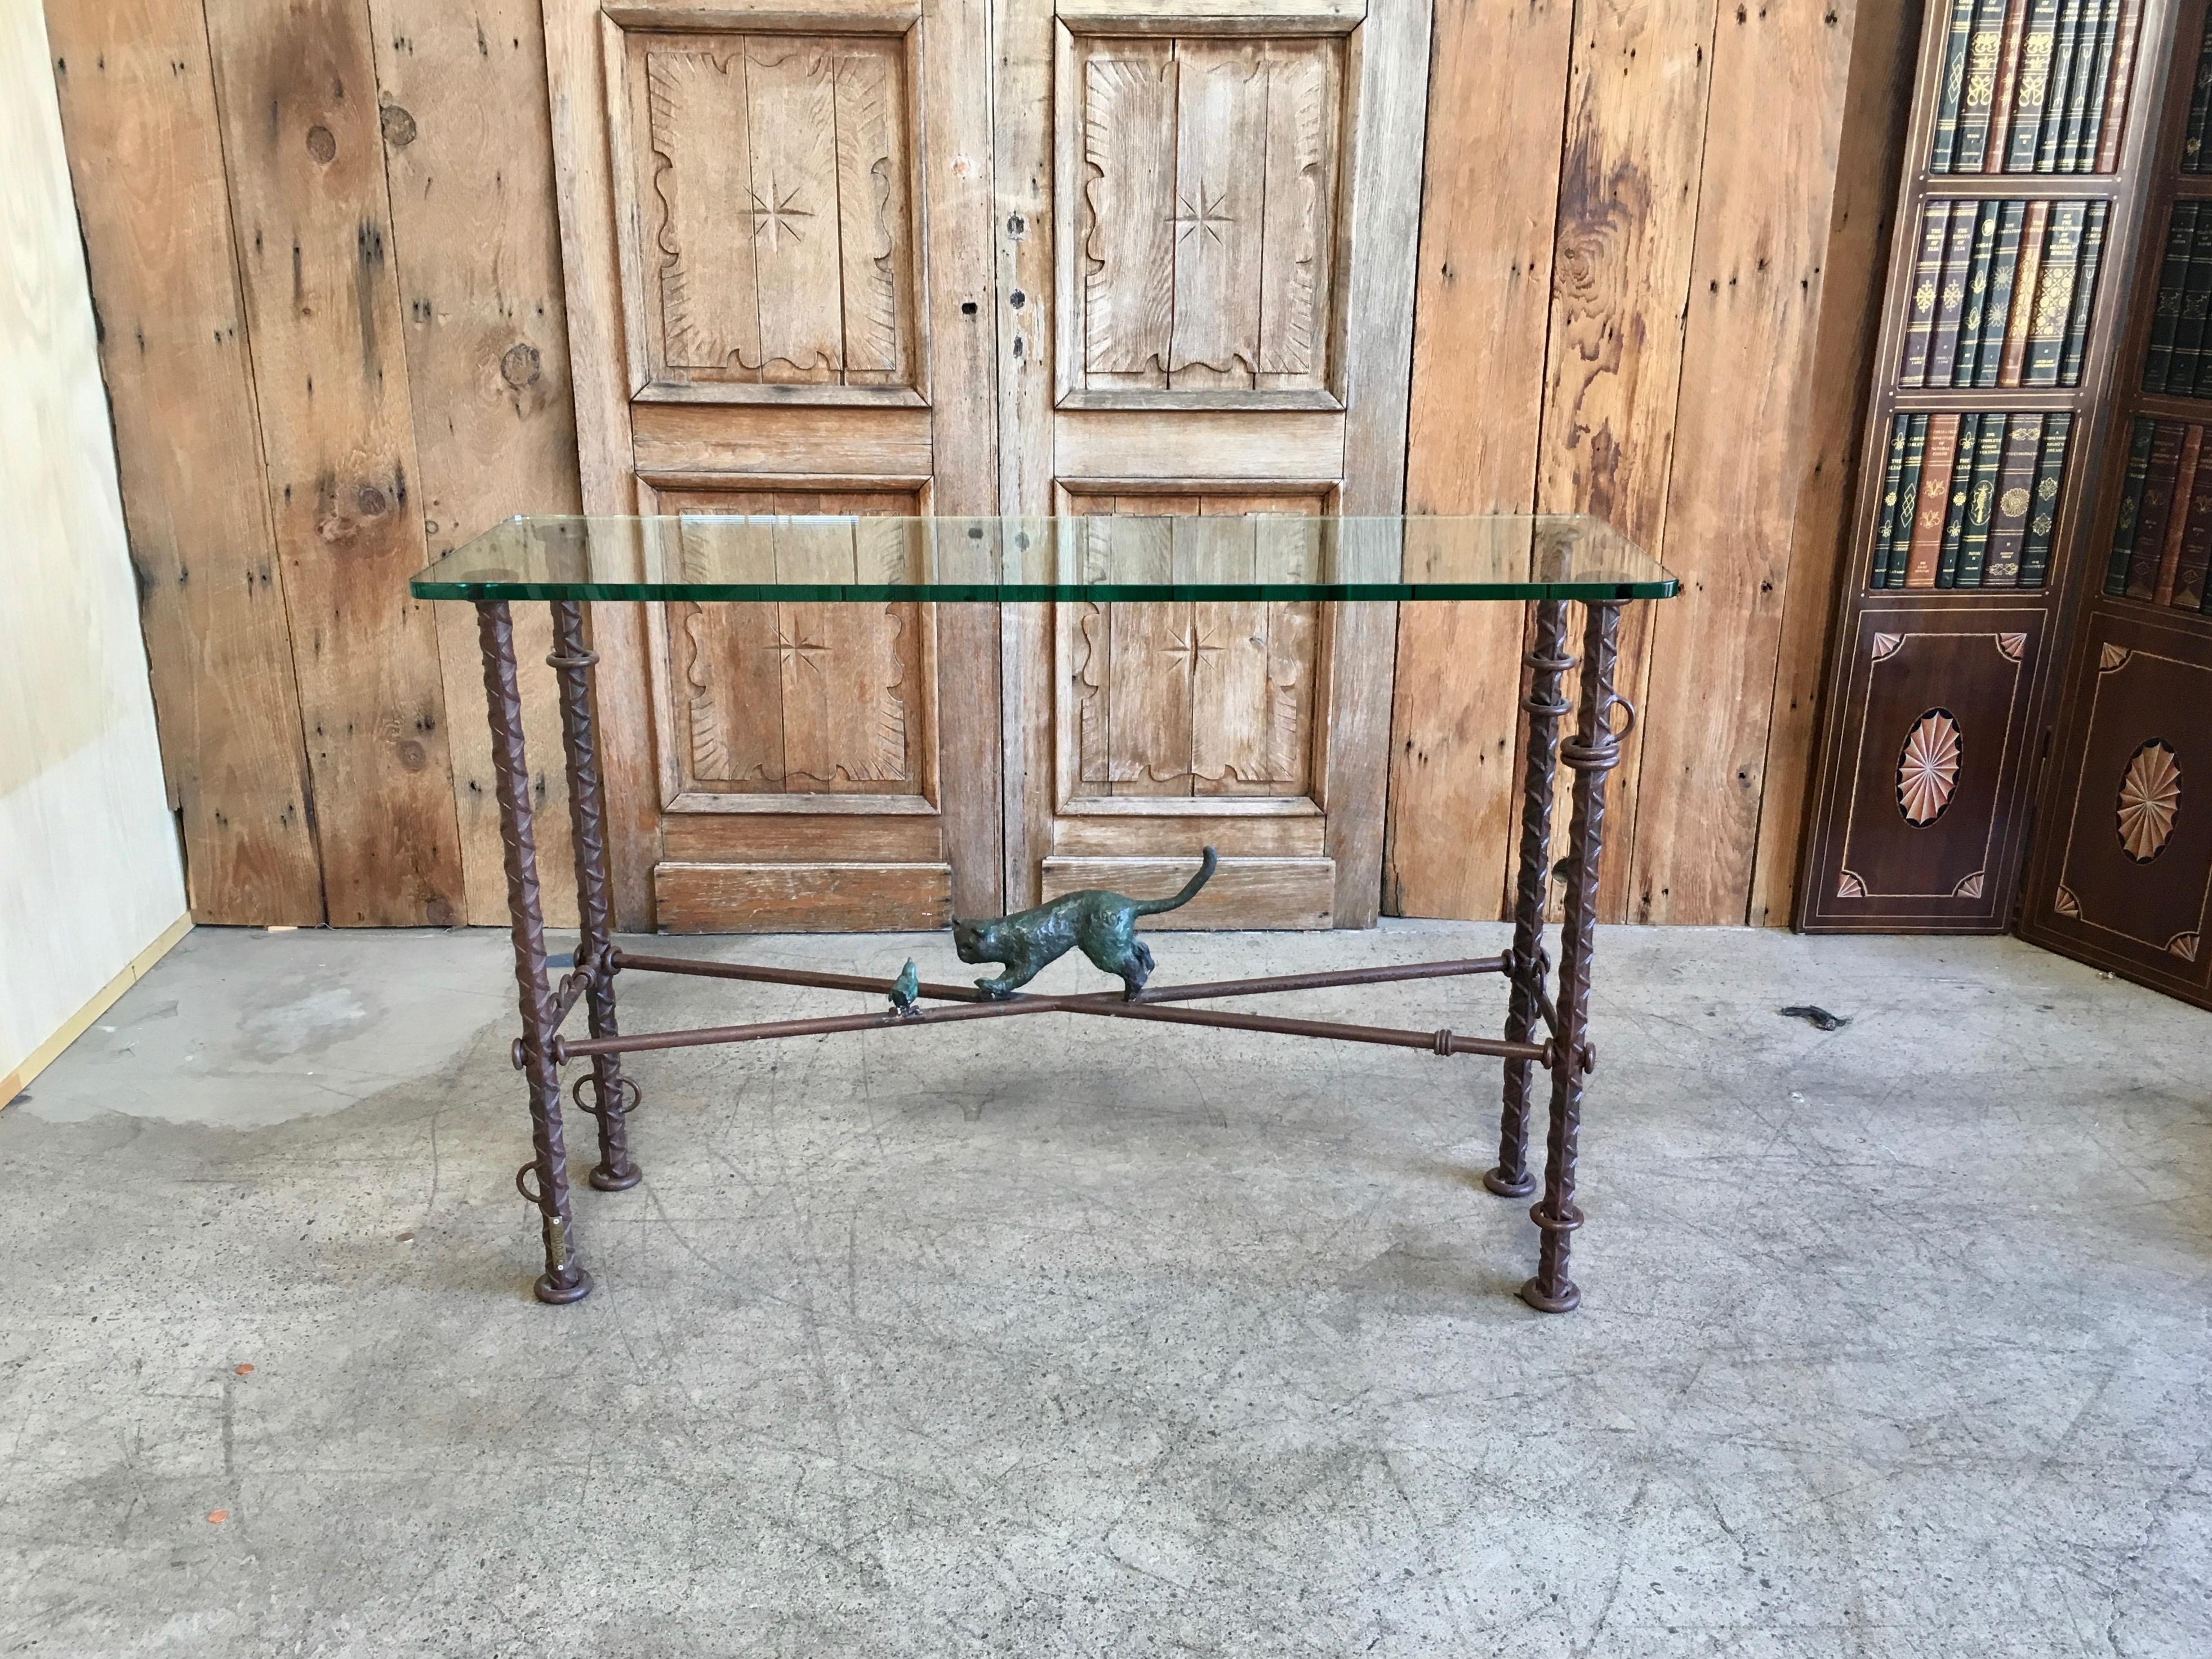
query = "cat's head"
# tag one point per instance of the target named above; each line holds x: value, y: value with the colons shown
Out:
x: 976, y: 941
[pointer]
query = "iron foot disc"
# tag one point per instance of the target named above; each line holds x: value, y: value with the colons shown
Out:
x: 1566, y: 1302
x: 1496, y: 1180
x: 559, y: 1293
x: 608, y: 1181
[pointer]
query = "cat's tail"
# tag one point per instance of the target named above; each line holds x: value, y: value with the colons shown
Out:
x: 1153, y: 907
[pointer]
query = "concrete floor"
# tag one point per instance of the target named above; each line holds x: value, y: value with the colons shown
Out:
x: 1069, y: 1337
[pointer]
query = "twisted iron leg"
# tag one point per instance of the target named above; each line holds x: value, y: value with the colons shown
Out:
x: 1547, y: 661
x: 562, y: 1279
x: 612, y: 1094
x: 1593, y: 751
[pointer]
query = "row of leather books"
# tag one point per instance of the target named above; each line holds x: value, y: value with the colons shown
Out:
x: 2177, y: 362
x: 2002, y: 292
x: 2162, y: 541
x: 2035, y: 86
x: 1969, y: 501
x: 2194, y: 156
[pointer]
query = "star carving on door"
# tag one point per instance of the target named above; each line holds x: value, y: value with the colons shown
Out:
x: 778, y: 214
x: 801, y: 650
x: 1203, y: 216
x: 1190, y: 650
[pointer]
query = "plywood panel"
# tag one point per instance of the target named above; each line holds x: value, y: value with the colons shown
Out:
x: 1489, y: 200
x: 468, y: 152
x: 137, y: 100
x: 296, y: 88
x: 89, y: 876
x: 1629, y: 183
x: 1779, y: 72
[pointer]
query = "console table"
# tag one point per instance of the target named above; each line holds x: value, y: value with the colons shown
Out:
x: 1549, y: 560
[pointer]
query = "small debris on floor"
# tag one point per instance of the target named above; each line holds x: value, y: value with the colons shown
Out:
x: 1816, y: 1016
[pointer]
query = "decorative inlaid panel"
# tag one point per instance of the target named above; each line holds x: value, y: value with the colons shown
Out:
x: 1200, y: 214
x: 2134, y: 865
x: 1932, y: 736
x: 773, y: 183
x: 799, y: 698
x: 1191, y: 699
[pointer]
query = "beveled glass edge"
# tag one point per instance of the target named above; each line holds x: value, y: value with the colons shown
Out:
x: 1039, y: 593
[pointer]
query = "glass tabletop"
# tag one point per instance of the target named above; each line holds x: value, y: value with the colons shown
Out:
x: 1119, y: 557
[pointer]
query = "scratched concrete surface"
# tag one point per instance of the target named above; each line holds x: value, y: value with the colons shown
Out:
x: 1059, y: 1338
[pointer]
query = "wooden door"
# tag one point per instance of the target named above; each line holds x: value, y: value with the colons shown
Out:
x: 776, y: 233
x: 1206, y: 222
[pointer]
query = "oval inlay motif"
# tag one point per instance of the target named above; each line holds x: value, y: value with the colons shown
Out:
x: 2150, y: 800
x: 1927, y: 767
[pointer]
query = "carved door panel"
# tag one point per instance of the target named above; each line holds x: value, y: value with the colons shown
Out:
x: 776, y: 231
x: 1207, y: 226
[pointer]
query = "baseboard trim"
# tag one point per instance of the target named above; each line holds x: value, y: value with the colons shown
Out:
x: 80, y: 1022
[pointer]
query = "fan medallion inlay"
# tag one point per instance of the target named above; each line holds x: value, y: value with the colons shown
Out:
x: 1927, y: 767
x: 2150, y: 799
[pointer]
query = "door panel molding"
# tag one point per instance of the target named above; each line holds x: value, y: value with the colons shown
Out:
x: 822, y: 17
x: 837, y: 703
x: 1284, y: 17
x: 1261, y: 892
x: 1200, y: 212
x: 1291, y: 446
x: 764, y: 182
x: 677, y: 439
x: 775, y: 898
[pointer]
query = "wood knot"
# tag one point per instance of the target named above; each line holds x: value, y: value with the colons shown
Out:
x: 321, y: 145
x: 521, y: 364
x: 369, y: 501
x: 398, y: 125
x: 413, y: 757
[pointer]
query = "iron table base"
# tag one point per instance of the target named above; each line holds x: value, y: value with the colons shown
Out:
x: 1546, y: 1022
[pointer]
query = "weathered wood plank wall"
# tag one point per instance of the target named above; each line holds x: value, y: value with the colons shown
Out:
x: 323, y: 246
x: 1718, y: 171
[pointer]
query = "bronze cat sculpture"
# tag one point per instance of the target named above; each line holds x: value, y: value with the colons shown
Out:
x: 1102, y: 924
